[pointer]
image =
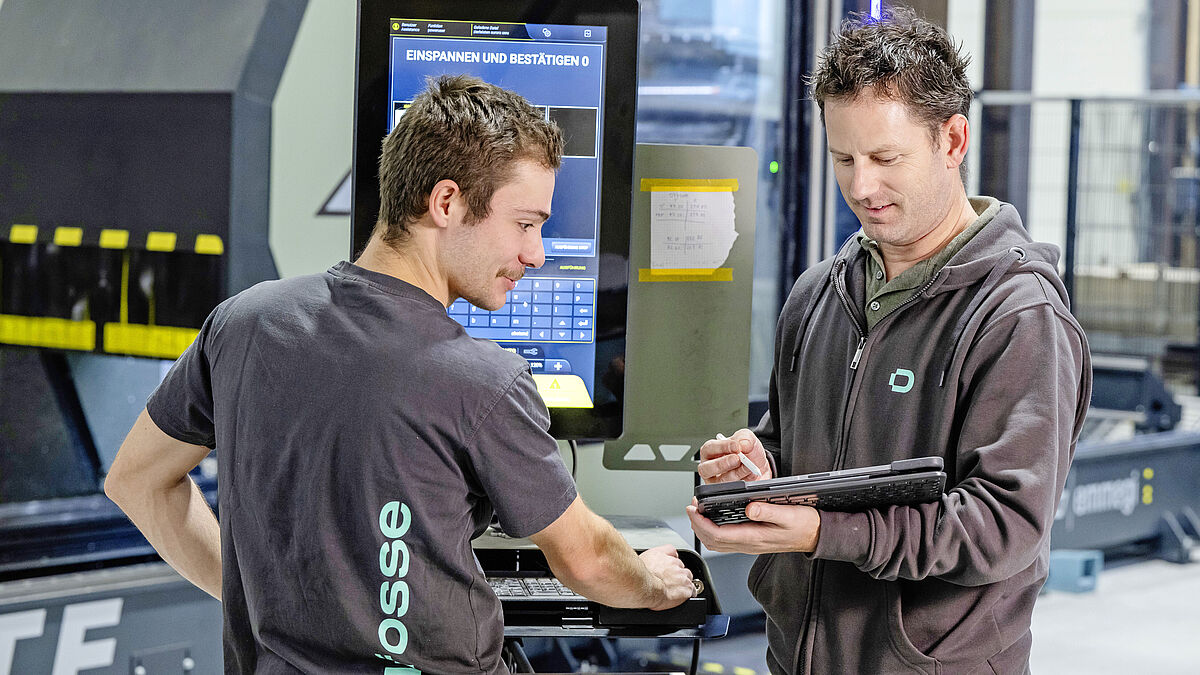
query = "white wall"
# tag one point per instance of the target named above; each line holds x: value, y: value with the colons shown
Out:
x: 964, y: 21
x: 1090, y: 47
x: 311, y: 138
x: 1085, y: 49
x: 1082, y: 48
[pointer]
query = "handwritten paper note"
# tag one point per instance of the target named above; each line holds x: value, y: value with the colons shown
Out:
x: 690, y: 230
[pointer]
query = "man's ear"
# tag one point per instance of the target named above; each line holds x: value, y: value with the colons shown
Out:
x: 956, y: 140
x: 443, y: 201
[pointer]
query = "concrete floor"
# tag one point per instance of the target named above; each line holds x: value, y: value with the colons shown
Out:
x: 1142, y: 618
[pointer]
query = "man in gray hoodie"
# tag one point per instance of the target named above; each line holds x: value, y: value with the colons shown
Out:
x: 939, y: 329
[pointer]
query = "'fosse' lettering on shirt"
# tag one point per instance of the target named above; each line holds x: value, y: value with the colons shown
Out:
x: 393, y: 565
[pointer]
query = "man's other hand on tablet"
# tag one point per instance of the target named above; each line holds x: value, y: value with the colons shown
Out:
x: 775, y: 528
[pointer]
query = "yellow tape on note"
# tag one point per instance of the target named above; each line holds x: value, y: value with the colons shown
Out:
x: 692, y: 229
x: 689, y: 184
x: 718, y: 274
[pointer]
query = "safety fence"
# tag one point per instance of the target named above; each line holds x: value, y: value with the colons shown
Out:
x: 1116, y: 181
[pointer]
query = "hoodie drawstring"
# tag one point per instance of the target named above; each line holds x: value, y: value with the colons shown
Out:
x: 1014, y: 256
x: 812, y: 305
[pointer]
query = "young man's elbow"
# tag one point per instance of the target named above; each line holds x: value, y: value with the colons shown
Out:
x: 116, y: 487
x: 122, y: 485
x: 583, y: 569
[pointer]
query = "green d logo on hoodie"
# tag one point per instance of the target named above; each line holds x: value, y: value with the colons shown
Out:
x: 907, y: 381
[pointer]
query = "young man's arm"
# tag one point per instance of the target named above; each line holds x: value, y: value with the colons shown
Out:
x: 149, y: 481
x: 587, y: 554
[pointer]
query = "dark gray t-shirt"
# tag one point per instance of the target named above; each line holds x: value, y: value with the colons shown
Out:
x: 363, y: 440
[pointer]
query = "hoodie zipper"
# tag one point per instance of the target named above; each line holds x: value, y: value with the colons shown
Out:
x: 912, y: 299
x: 810, y: 606
x: 807, y: 633
x: 839, y: 457
x: 841, y: 293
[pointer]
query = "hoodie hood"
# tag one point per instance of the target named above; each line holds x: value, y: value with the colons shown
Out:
x: 991, y: 247
x: 1003, y: 247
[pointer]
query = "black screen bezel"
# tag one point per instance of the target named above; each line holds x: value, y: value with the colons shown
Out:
x: 620, y: 107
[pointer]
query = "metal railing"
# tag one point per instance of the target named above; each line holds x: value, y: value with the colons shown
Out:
x: 1116, y: 182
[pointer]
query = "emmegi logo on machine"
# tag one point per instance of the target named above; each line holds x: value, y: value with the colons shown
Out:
x: 1118, y: 495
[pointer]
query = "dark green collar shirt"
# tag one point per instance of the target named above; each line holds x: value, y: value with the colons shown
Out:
x: 883, y: 296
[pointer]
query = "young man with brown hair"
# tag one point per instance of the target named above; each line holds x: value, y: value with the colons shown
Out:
x: 940, y: 329
x: 364, y: 438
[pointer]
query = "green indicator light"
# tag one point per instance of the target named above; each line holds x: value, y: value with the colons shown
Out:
x: 774, y: 166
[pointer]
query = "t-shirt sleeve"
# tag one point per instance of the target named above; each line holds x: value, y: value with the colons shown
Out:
x: 182, y: 405
x: 517, y: 461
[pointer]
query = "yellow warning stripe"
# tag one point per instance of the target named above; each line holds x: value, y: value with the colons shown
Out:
x: 166, y: 342
x: 123, y: 312
x: 209, y: 244
x: 116, y: 239
x: 160, y: 342
x: 23, y: 234
x: 42, y: 331
x: 68, y: 236
x: 160, y: 241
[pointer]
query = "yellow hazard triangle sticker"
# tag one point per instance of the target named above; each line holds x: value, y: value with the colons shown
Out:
x: 563, y: 391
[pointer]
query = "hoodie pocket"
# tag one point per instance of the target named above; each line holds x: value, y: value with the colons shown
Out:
x: 758, y: 571
x: 899, y: 639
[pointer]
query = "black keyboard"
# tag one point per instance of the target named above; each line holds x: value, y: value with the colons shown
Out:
x: 852, y: 498
x: 545, y: 601
x: 536, y: 604
x: 532, y: 588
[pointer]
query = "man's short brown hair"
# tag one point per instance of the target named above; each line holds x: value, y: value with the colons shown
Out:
x: 465, y: 130
x: 898, y: 56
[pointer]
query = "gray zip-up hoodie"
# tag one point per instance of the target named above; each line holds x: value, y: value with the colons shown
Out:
x: 984, y: 366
